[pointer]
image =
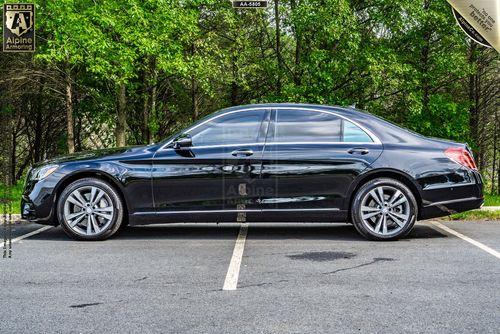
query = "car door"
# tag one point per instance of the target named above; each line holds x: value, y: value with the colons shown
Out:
x: 215, y: 179
x: 310, y: 159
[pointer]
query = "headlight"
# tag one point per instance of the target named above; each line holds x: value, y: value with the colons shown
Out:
x: 42, y: 172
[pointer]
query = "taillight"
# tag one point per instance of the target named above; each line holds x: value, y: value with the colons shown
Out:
x: 461, y: 156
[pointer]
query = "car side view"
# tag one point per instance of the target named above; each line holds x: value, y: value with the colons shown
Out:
x: 264, y: 162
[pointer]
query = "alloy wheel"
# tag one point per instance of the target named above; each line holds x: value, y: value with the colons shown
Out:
x: 88, y: 210
x: 385, y: 210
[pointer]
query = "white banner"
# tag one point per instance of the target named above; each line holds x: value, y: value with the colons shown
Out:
x: 482, y: 16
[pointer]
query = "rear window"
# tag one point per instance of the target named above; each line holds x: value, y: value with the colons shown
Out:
x: 295, y: 125
x: 299, y: 125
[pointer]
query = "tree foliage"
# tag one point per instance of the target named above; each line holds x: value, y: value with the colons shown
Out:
x: 130, y: 72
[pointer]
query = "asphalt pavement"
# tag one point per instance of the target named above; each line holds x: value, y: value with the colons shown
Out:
x: 291, y: 278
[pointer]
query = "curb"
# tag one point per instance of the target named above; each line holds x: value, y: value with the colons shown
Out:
x: 490, y: 208
x: 16, y: 218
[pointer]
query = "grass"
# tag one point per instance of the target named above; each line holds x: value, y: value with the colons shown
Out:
x: 475, y: 215
x: 15, y: 198
x: 491, y: 200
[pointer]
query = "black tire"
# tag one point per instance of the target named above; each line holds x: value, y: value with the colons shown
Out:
x: 111, y: 193
x: 362, y: 226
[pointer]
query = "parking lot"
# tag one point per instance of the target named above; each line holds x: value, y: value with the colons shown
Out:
x: 288, y: 278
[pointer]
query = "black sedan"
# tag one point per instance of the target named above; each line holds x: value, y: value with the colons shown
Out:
x: 267, y: 162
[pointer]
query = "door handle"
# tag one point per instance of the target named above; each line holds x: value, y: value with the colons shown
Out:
x: 359, y: 150
x: 242, y: 153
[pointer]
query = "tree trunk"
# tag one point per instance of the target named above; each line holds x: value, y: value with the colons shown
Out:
x: 425, y: 74
x: 495, y: 168
x: 154, y: 82
x: 298, y: 46
x: 13, y: 156
x: 194, y: 98
x: 23, y: 166
x: 194, y: 87
x: 145, y: 117
x: 69, y: 115
x: 473, y: 109
x: 278, y: 45
x: 498, y: 177
x: 234, y: 84
x: 36, y: 107
x: 38, y: 136
x: 78, y: 134
x: 145, y: 106
x: 121, y: 116
x: 424, y: 66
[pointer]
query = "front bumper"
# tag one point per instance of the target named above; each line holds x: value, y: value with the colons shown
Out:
x: 36, y: 214
x: 38, y: 201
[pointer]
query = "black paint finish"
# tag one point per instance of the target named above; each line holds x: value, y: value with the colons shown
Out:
x: 264, y: 180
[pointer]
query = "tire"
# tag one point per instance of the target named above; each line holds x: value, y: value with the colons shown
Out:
x: 76, y: 210
x: 398, y: 210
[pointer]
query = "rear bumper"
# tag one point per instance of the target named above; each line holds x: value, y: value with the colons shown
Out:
x: 445, y: 208
x: 444, y: 201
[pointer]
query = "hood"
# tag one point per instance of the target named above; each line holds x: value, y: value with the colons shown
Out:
x: 108, y: 153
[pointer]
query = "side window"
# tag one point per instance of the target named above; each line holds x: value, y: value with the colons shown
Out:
x: 236, y: 128
x: 295, y: 125
x: 353, y: 134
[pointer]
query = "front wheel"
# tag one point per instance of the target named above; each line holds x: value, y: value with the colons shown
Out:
x: 384, y: 209
x: 90, y: 209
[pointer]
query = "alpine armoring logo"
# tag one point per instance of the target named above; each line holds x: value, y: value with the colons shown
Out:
x: 18, y: 27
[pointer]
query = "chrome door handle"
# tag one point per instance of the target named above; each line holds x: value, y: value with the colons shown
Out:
x: 242, y: 153
x: 359, y: 150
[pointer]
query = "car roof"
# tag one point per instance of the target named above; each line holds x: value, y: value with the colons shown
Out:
x: 347, y: 110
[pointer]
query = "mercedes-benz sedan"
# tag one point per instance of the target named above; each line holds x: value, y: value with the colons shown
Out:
x: 269, y: 162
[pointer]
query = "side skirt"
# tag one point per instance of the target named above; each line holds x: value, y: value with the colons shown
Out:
x: 219, y: 216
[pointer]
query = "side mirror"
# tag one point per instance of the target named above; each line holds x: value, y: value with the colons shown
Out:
x: 182, y: 142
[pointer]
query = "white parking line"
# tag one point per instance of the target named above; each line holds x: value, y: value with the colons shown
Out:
x: 27, y: 235
x: 233, y: 271
x: 466, y: 238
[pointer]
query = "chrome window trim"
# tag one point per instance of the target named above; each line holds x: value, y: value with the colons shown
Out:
x: 227, y: 145
x: 340, y: 143
x: 370, y: 134
x: 284, y: 143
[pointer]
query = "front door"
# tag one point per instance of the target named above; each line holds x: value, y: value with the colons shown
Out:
x: 217, y: 178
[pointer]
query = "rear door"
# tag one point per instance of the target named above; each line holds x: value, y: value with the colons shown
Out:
x: 310, y: 159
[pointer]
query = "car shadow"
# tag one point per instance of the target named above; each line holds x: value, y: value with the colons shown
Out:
x: 257, y: 231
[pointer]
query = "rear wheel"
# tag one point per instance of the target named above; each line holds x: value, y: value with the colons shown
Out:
x: 384, y: 209
x: 90, y: 209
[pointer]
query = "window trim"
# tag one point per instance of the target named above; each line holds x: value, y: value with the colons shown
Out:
x: 375, y: 139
